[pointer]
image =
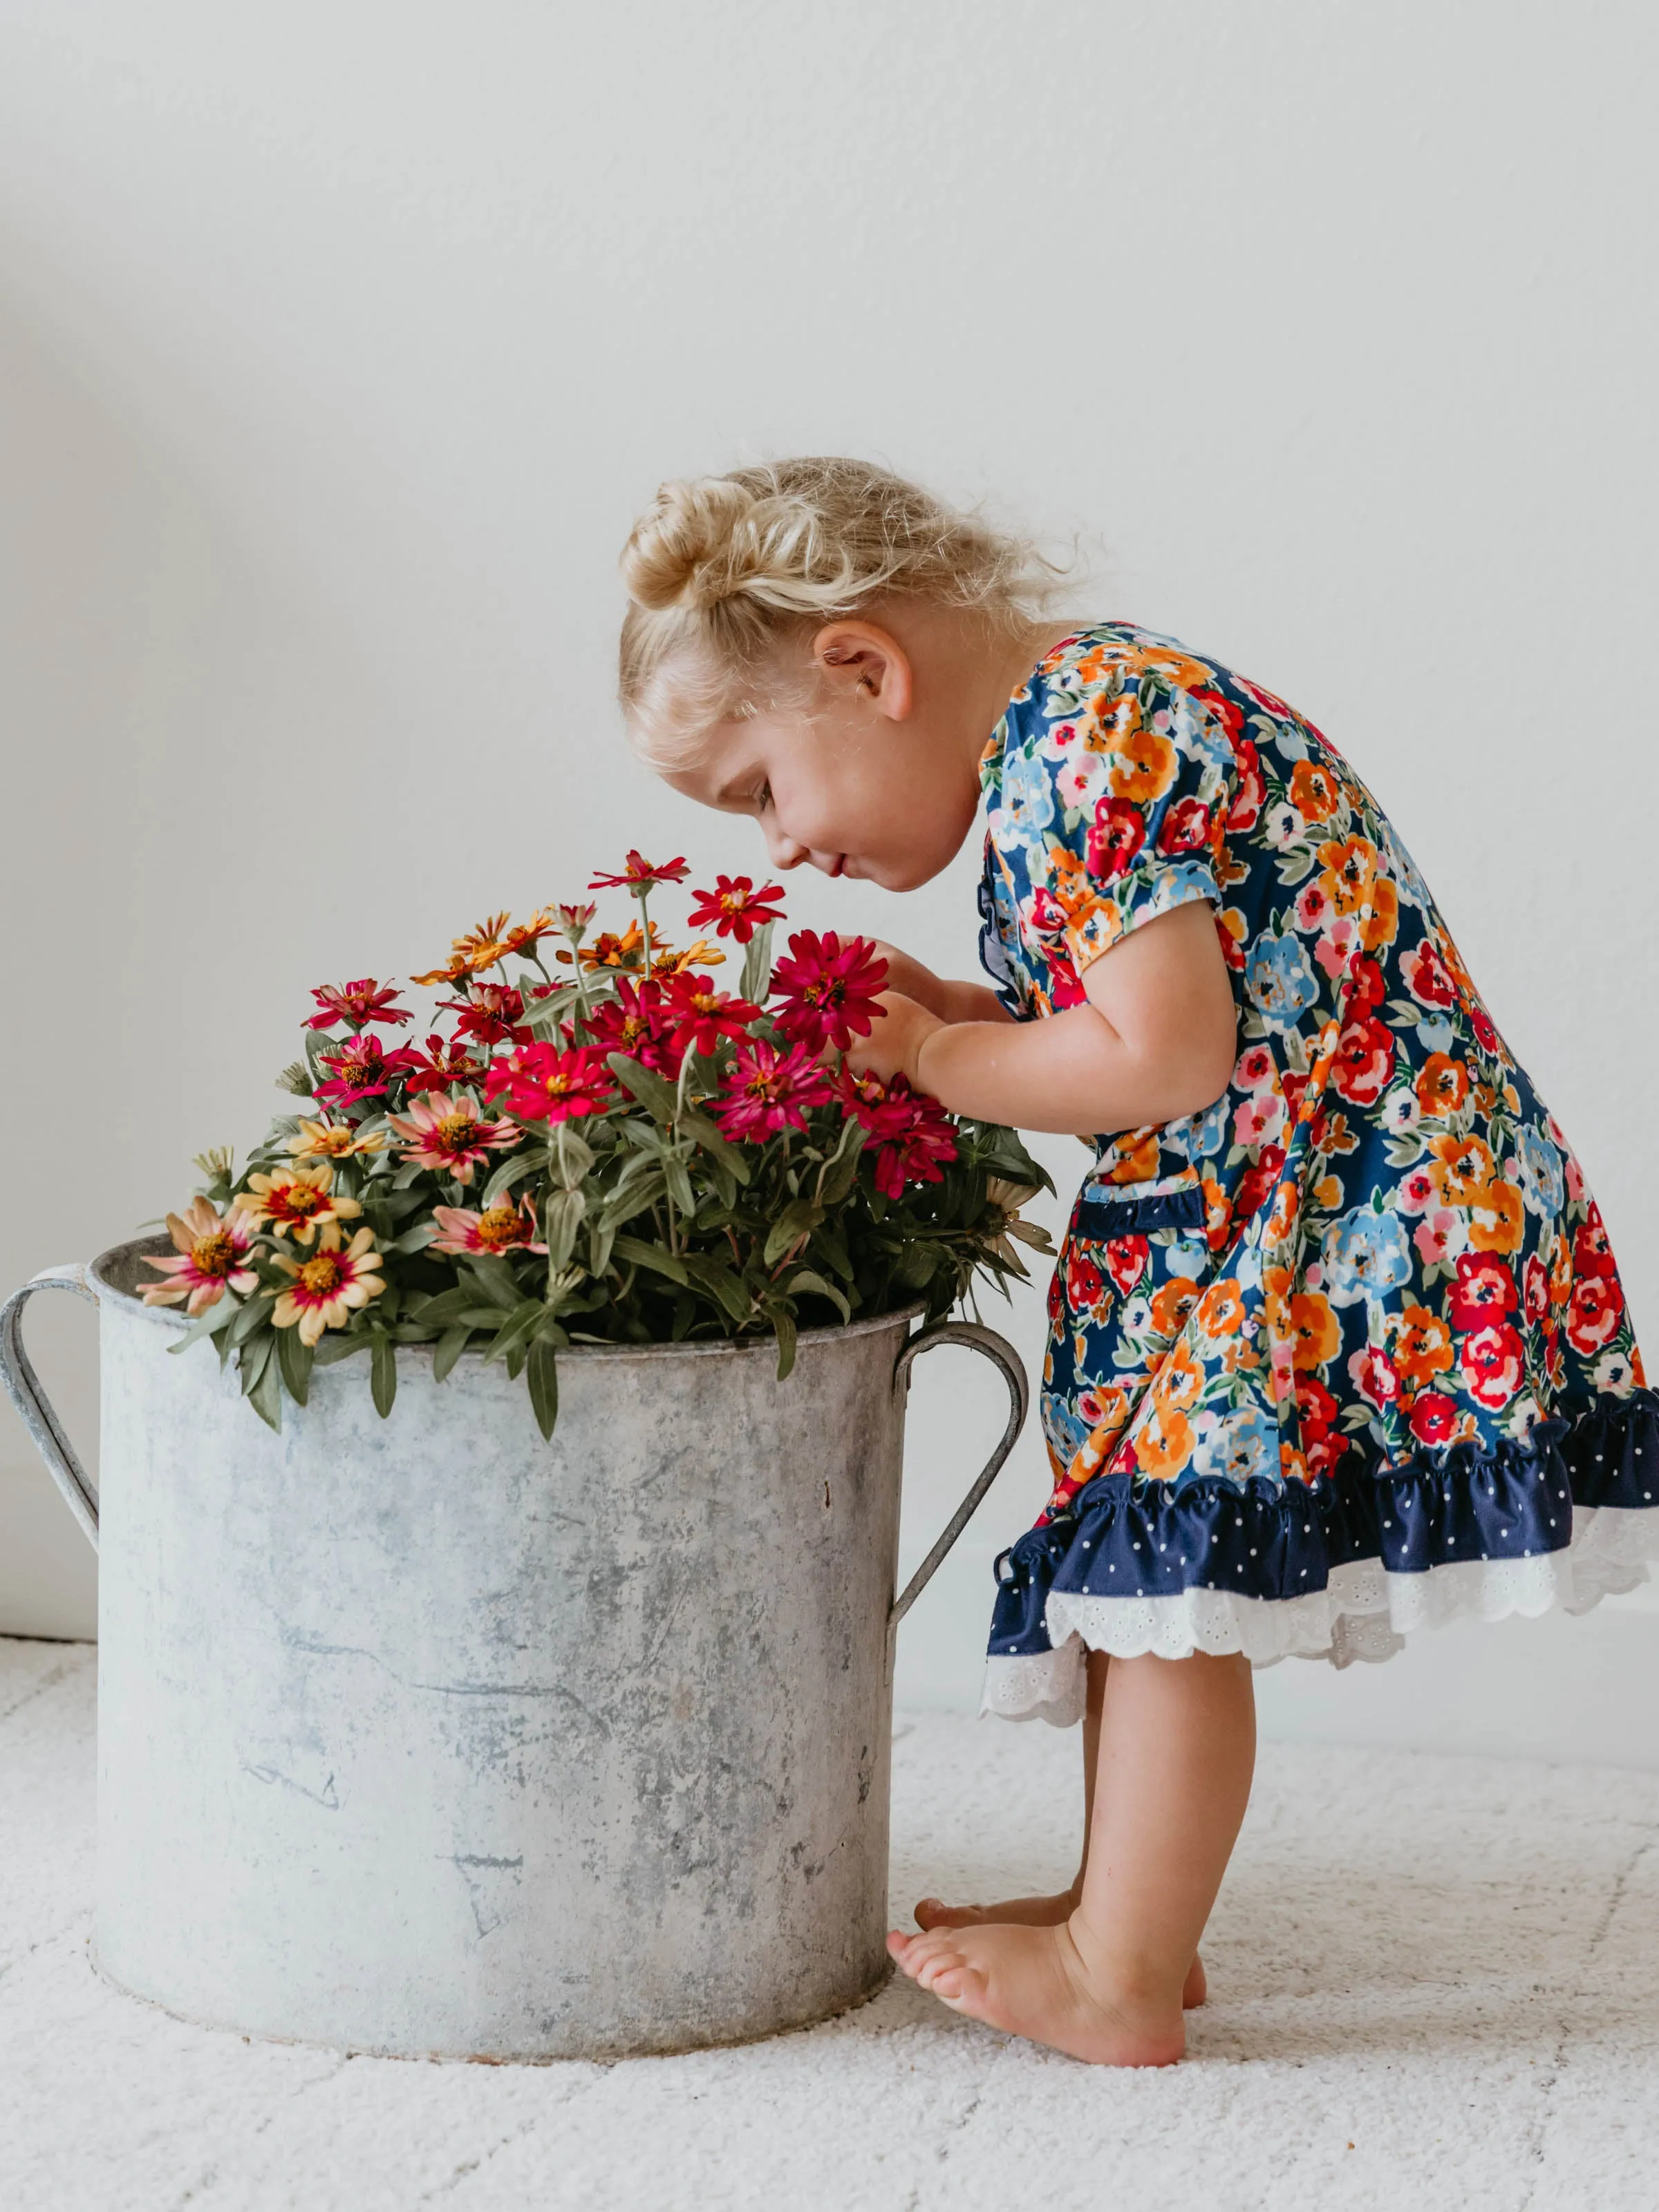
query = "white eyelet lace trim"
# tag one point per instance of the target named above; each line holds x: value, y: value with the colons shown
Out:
x: 1363, y: 1612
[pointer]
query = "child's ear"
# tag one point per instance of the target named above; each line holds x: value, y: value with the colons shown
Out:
x: 860, y: 656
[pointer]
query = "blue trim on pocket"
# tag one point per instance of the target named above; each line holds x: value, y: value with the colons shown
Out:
x: 1138, y: 1216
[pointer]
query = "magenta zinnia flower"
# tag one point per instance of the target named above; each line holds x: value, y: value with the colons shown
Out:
x: 828, y: 988
x: 363, y: 1069
x: 488, y: 1013
x: 443, y: 1063
x: 633, y: 1022
x: 448, y: 1134
x: 912, y: 1133
x: 735, y: 908
x: 701, y: 1015
x: 358, y: 1003
x: 544, y: 1085
x: 639, y: 872
x: 766, y: 1091
x: 211, y: 1247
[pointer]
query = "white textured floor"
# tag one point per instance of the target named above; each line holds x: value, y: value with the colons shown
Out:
x: 1434, y: 1982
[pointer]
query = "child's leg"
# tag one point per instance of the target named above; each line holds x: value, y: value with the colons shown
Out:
x: 1048, y: 1912
x: 1176, y: 1748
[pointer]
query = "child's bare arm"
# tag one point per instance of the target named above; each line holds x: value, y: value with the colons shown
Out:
x: 950, y: 1001
x: 1156, y: 1041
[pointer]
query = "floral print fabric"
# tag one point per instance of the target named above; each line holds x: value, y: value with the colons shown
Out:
x: 1376, y: 1251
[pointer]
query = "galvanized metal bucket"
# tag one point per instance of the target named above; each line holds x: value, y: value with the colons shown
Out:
x: 425, y: 1737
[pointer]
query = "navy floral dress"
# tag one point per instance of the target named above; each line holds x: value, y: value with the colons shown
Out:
x: 1347, y: 1354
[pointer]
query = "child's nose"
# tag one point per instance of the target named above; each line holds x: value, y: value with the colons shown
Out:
x: 784, y: 851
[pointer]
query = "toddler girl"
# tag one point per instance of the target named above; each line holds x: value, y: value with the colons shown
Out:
x: 1337, y: 1345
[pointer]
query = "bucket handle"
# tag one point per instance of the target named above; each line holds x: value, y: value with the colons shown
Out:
x: 1002, y: 1355
x: 39, y: 1417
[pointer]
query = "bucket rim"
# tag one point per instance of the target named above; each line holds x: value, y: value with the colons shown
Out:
x: 758, y: 1345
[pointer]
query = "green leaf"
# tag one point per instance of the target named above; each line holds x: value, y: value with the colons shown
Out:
x: 645, y: 1084
x: 415, y: 1239
x: 843, y: 1169
x: 496, y: 1278
x: 572, y: 1158
x: 511, y: 1172
x: 563, y: 1216
x: 333, y: 1349
x: 257, y: 1311
x: 255, y: 1358
x: 807, y: 1278
x: 296, y: 1358
x: 708, y: 1137
x: 266, y: 1396
x: 546, y: 1014
x: 714, y: 1276
x: 516, y: 1331
x: 642, y: 1254
x: 798, y: 1218
x: 383, y: 1374
x: 633, y: 1193
x: 785, y: 1324
x: 757, y: 983
x: 220, y: 1315
x: 679, y: 1184
x: 450, y: 1346
x: 542, y: 1370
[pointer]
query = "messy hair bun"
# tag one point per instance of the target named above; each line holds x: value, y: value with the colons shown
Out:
x: 722, y: 570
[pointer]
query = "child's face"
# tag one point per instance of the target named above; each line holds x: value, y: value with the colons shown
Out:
x: 879, y: 780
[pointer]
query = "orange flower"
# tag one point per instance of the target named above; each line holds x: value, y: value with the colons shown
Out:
x: 1276, y: 1300
x: 1171, y: 1304
x: 1287, y: 1203
x: 1463, y: 1169
x: 1143, y: 766
x: 1221, y: 1309
x: 1381, y: 925
x: 1496, y: 1221
x: 1313, y: 790
x: 1422, y: 1345
x: 1292, y: 1463
x: 1179, y: 668
x: 1350, y: 869
x: 702, y: 954
x: 1218, y: 1214
x: 1178, y: 1383
x: 1327, y: 1194
x: 295, y: 1201
x: 1442, y: 1086
x: 1315, y: 1329
x: 1137, y: 1157
x: 1163, y: 1444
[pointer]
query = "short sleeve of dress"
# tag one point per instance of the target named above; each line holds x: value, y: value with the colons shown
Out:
x: 1117, y: 785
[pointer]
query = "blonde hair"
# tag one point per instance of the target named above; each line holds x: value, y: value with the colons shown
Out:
x: 724, y: 574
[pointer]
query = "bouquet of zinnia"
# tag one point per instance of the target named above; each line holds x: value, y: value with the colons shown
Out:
x: 622, y: 1153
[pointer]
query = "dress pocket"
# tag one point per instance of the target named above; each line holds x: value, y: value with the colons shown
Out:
x: 1100, y: 1220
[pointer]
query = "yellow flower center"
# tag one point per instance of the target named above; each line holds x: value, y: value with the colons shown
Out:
x: 322, y: 1275
x: 455, y: 1133
x: 498, y: 1227
x: 334, y: 1144
x: 213, y: 1255
x: 299, y: 1200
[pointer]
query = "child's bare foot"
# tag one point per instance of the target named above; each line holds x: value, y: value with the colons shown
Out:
x: 1034, y: 1981
x: 1036, y: 1912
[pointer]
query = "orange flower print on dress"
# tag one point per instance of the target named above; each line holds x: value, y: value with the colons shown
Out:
x: 1313, y: 790
x: 1305, y: 1290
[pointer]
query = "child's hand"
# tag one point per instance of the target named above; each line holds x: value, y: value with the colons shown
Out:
x: 892, y: 1046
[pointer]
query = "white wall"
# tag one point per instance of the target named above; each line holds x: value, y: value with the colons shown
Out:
x: 339, y: 344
